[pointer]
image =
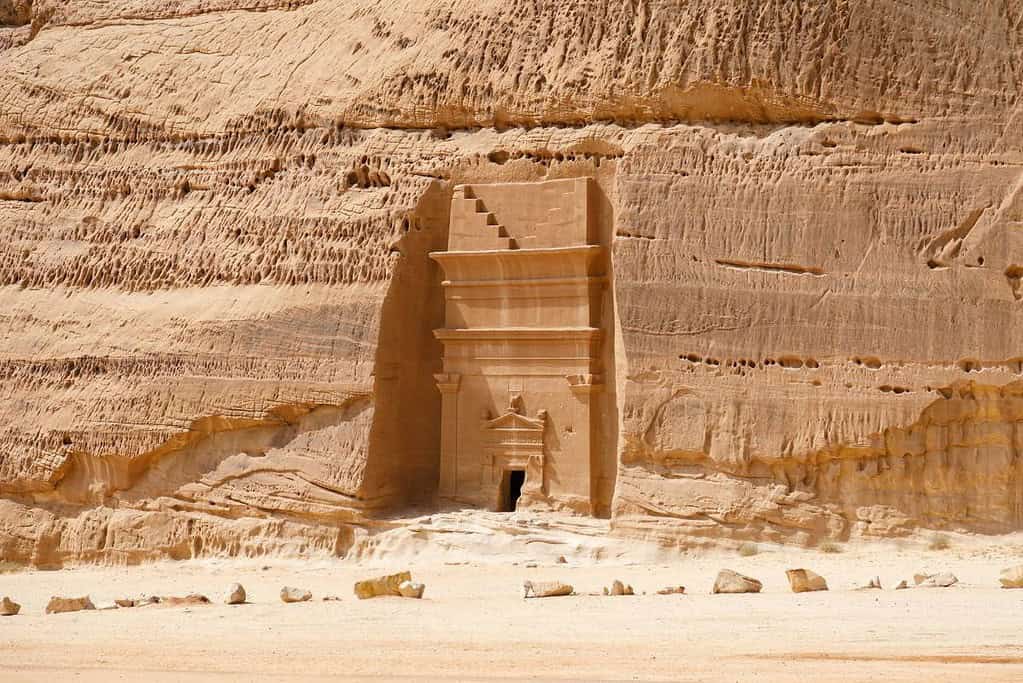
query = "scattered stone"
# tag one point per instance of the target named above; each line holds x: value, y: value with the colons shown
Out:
x: 733, y: 582
x: 331, y: 598
x: 137, y: 602
x: 408, y: 589
x: 902, y: 585
x: 235, y: 594
x: 871, y: 585
x: 61, y: 605
x: 805, y: 581
x: 545, y: 589
x: 942, y: 580
x: 531, y: 565
x: 191, y: 599
x: 562, y: 560
x: 8, y: 608
x: 672, y: 590
x: 381, y: 585
x: 619, y: 588
x: 291, y: 594
x: 1012, y: 577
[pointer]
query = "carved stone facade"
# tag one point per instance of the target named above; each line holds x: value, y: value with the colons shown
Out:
x: 524, y: 279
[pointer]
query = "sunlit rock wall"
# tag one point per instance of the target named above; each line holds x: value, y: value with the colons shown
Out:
x: 216, y: 305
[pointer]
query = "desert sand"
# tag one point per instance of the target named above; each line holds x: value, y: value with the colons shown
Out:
x: 473, y: 624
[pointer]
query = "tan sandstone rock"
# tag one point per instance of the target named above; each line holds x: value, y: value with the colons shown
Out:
x: 672, y: 590
x: 235, y: 594
x: 8, y: 608
x: 382, y: 585
x: 545, y: 589
x: 804, y: 580
x: 942, y: 580
x: 618, y: 588
x: 728, y: 581
x: 410, y: 589
x: 185, y: 601
x: 291, y: 594
x: 140, y: 601
x: 1012, y: 577
x: 59, y: 605
x: 873, y: 584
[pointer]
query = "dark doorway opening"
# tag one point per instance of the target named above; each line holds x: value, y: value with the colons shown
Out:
x: 513, y: 489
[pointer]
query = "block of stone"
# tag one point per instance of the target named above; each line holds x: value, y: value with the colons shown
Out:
x: 381, y: 585
x: 941, y: 580
x: 8, y: 608
x: 805, y: 581
x: 292, y: 594
x: 191, y: 599
x: 235, y: 594
x: 410, y: 589
x: 545, y: 589
x: 58, y: 605
x: 1012, y: 577
x: 733, y: 582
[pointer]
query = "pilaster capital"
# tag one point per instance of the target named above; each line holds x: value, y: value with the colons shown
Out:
x: 448, y: 383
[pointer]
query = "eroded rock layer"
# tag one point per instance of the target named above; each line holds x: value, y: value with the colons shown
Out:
x: 217, y: 306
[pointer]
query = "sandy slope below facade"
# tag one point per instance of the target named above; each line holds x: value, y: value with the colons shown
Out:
x: 473, y: 624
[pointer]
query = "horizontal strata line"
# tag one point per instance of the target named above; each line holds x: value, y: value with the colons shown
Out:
x: 771, y: 267
x: 231, y: 131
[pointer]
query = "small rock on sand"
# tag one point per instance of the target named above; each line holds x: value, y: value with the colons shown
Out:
x: 902, y: 585
x: 191, y: 599
x: 235, y: 594
x: 381, y: 585
x: 672, y: 590
x: 942, y: 580
x: 409, y: 589
x: 1012, y: 577
x: 805, y: 581
x: 874, y: 583
x: 8, y: 608
x: 545, y: 589
x: 137, y: 602
x: 619, y: 588
x: 733, y: 582
x: 291, y: 594
x: 562, y: 560
x: 60, y: 605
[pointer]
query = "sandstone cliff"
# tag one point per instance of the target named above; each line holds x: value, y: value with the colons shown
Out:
x: 217, y: 309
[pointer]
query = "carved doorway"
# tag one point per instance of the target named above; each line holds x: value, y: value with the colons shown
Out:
x: 511, y: 489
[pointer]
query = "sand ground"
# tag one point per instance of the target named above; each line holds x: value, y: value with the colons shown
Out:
x: 474, y: 625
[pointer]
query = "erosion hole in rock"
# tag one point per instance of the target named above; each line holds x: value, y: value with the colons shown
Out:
x: 512, y: 487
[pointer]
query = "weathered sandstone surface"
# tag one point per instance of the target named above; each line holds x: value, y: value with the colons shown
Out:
x: 217, y: 305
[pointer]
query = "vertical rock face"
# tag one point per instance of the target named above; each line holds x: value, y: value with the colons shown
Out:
x: 217, y: 306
